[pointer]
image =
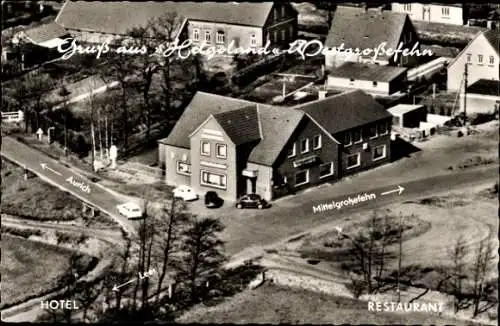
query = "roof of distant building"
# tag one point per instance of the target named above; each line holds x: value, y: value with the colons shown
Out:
x: 365, y: 29
x: 493, y: 36
x: 364, y: 71
x: 403, y: 108
x: 121, y: 16
x: 45, y: 32
x: 485, y: 87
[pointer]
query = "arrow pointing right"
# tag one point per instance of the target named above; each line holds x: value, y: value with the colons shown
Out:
x: 399, y: 190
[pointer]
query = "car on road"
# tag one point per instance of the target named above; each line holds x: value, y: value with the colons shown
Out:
x: 185, y: 193
x: 130, y: 210
x: 212, y: 200
x: 251, y: 201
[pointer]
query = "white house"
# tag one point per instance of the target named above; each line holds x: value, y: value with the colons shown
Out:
x: 371, y: 78
x: 445, y: 13
x: 482, y: 57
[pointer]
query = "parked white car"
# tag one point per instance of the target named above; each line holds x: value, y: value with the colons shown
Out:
x: 129, y: 210
x: 185, y: 193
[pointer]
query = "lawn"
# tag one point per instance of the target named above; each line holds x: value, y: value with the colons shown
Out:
x: 33, y: 198
x: 273, y: 304
x: 30, y: 269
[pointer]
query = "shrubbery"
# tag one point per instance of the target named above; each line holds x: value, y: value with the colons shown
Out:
x: 25, y: 233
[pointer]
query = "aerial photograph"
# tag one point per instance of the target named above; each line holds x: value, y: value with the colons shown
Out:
x: 217, y: 162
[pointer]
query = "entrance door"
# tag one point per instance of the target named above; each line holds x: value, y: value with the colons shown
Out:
x: 251, y: 185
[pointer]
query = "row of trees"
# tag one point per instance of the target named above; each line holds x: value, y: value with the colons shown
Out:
x: 372, y: 252
x: 180, y: 248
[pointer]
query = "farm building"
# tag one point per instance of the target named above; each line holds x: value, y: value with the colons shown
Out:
x: 371, y: 78
x: 407, y: 115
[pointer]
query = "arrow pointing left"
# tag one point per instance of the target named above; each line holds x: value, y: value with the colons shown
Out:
x: 45, y: 167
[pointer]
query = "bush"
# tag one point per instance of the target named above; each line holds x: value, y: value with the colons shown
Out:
x: 25, y: 233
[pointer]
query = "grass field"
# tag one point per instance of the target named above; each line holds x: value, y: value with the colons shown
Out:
x: 34, y: 198
x: 30, y: 269
x: 273, y: 304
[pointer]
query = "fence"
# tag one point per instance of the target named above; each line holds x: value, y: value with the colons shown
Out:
x: 16, y: 116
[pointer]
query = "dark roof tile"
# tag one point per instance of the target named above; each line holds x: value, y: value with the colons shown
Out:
x: 493, y: 36
x: 345, y: 111
x: 365, y: 29
x: 45, y: 32
x: 121, y: 16
x: 485, y: 87
x: 241, y: 125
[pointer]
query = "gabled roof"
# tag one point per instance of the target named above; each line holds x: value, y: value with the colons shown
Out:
x: 273, y: 125
x: 118, y: 17
x: 485, y: 87
x: 365, y: 29
x: 493, y: 36
x: 241, y: 125
x: 371, y: 72
x: 345, y: 111
x: 45, y: 32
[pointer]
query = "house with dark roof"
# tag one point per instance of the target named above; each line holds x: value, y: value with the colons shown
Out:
x: 483, y: 96
x: 39, y: 44
x: 246, y: 24
x: 235, y: 147
x: 373, y: 79
x: 482, y: 55
x: 357, y: 34
x: 433, y: 12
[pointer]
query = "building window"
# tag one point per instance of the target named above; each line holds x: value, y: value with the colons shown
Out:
x: 205, y: 148
x: 326, y: 170
x: 407, y: 6
x: 357, y: 136
x: 220, y: 37
x: 276, y: 14
x: 283, y: 12
x: 492, y: 59
x: 292, y: 151
x: 378, y: 152
x: 469, y: 57
x: 304, y: 145
x: 253, y: 40
x: 382, y: 128
x: 317, y: 142
x: 290, y: 32
x: 351, y: 82
x: 283, y: 35
x: 214, y: 180
x: 196, y: 34
x: 372, y: 133
x: 347, y: 139
x: 275, y: 38
x: 445, y: 11
x: 208, y: 37
x: 221, y: 150
x: 183, y: 168
x: 374, y: 84
x: 301, y: 177
x: 480, y: 58
x: 353, y: 160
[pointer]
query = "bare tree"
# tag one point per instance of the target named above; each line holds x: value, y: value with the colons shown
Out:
x: 86, y: 295
x: 65, y: 93
x: 483, y: 263
x: 458, y: 272
x: 38, y: 86
x: 175, y: 219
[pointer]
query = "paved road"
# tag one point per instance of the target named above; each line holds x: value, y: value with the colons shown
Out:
x: 58, y: 175
x: 249, y: 232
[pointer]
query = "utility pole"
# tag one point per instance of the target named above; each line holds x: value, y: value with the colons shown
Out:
x: 400, y: 254
x: 466, y: 73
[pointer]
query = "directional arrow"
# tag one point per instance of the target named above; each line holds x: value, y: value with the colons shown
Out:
x: 116, y: 287
x: 399, y: 189
x: 45, y: 167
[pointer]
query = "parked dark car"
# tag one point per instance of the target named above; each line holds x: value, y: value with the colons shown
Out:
x: 212, y: 200
x: 251, y: 201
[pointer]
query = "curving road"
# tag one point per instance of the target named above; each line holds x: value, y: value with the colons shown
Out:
x: 57, y: 174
